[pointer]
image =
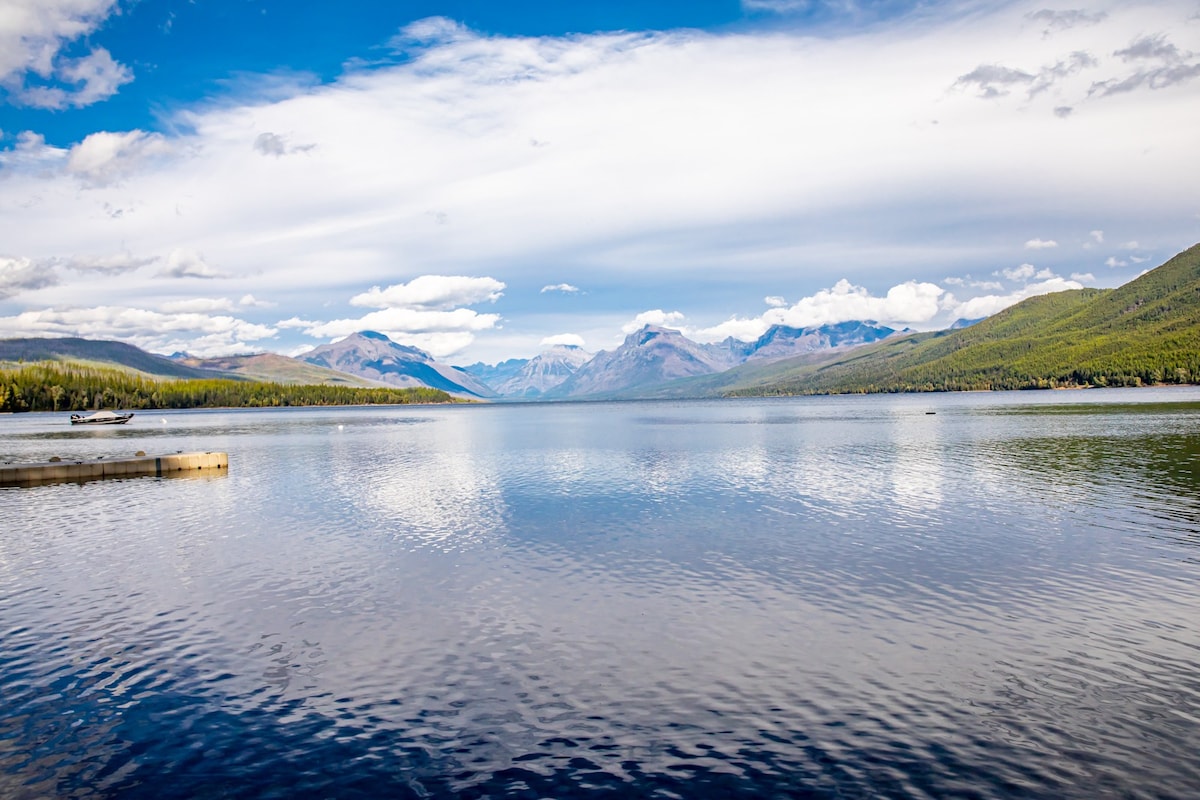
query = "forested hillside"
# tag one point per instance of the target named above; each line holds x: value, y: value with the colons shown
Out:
x: 1145, y: 332
x: 54, y: 386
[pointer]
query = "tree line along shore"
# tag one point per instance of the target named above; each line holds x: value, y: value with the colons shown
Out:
x: 62, y: 387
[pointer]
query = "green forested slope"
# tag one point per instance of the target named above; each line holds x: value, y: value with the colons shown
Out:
x: 59, y: 386
x: 1145, y: 332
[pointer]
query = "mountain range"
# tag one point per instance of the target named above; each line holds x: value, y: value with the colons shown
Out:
x: 1147, y: 331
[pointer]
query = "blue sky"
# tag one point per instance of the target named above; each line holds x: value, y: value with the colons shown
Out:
x: 483, y: 179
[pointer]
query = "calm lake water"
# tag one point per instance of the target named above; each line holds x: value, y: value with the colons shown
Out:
x: 812, y: 597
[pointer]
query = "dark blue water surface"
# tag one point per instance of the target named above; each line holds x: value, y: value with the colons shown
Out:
x: 818, y: 597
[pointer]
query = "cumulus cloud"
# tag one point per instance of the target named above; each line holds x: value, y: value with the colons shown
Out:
x: 104, y: 158
x: 911, y: 302
x: 571, y: 339
x: 775, y: 301
x: 1021, y: 273
x: 986, y: 305
x: 746, y: 330
x: 426, y: 312
x: 700, y: 155
x: 155, y: 331
x: 441, y: 333
x: 31, y: 153
x: 1040, y: 244
x: 1083, y: 277
x: 665, y: 319
x: 907, y: 303
x: 565, y: 288
x: 432, y: 292
x: 187, y: 263
x: 33, y: 34
x: 19, y: 275
x: 90, y: 79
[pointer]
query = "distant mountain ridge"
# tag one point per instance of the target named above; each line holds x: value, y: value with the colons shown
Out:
x: 372, y: 355
x: 275, y: 368
x: 1146, y: 331
x: 544, y: 372
x: 101, y: 352
x: 655, y: 355
x: 650, y: 355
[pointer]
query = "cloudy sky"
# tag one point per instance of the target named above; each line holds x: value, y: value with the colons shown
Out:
x: 482, y: 179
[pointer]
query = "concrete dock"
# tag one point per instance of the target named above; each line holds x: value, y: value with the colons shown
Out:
x: 58, y: 471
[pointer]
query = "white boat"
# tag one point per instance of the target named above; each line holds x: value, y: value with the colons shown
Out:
x: 101, y: 418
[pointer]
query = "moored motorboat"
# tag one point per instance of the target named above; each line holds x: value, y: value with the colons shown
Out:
x: 101, y: 418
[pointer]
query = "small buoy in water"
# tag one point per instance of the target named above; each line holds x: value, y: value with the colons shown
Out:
x: 927, y: 413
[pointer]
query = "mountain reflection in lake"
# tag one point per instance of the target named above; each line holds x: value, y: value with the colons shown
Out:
x: 844, y: 596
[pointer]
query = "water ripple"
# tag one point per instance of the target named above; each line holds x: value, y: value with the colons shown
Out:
x: 834, y: 597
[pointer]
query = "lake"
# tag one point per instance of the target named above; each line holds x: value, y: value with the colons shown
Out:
x: 967, y: 595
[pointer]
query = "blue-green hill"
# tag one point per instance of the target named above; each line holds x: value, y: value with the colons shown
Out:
x: 1145, y: 332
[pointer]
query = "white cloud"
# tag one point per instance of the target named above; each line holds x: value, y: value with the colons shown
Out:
x: 19, y: 275
x: 31, y: 153
x: 442, y: 333
x: 432, y: 292
x: 32, y: 36
x: 986, y: 305
x: 184, y: 262
x: 250, y: 301
x: 683, y: 164
x: 1083, y: 277
x: 430, y: 31
x: 1130, y: 246
x: 1021, y: 273
x: 906, y: 302
x: 1040, y: 244
x: 93, y: 78
x: 775, y: 301
x: 104, y: 158
x: 565, y: 288
x: 1098, y: 236
x: 156, y: 331
x: 1113, y: 262
x: 746, y: 330
x: 571, y: 339
x: 665, y: 319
